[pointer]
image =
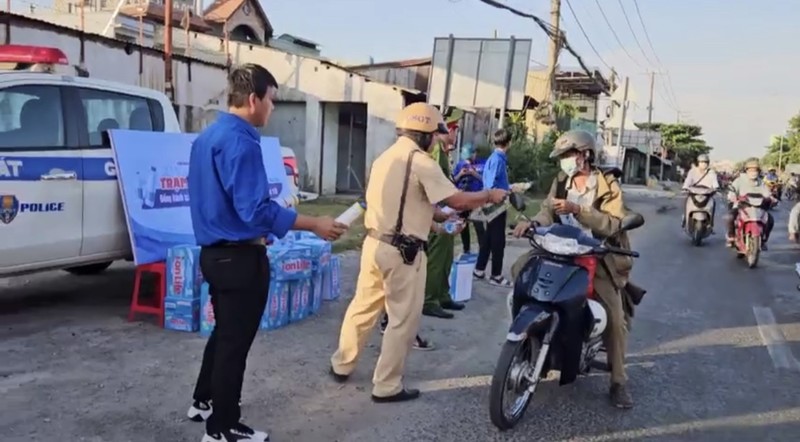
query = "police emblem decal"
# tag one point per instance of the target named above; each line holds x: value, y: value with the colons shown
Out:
x: 9, y: 207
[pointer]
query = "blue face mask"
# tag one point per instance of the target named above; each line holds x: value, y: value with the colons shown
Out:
x: 569, y: 165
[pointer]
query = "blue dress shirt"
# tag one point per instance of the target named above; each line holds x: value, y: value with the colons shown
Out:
x: 495, y: 171
x: 228, y: 189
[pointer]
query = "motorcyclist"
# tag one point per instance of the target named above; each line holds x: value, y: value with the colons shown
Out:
x: 794, y: 222
x: 587, y: 198
x: 701, y: 175
x: 749, y: 182
x: 772, y: 180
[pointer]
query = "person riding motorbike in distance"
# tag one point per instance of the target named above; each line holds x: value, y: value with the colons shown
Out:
x: 701, y: 175
x: 749, y: 182
x: 585, y: 197
x: 772, y: 180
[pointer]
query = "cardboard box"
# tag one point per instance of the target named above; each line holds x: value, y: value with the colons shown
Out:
x: 184, y: 277
x: 182, y: 314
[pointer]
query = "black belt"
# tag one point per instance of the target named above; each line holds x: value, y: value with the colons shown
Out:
x: 240, y: 243
x: 388, y: 239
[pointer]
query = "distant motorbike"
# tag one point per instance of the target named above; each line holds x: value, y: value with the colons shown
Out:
x: 749, y: 228
x: 557, y: 322
x: 791, y: 192
x: 774, y: 190
x: 698, y: 213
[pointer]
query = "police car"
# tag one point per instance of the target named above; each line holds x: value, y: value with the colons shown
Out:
x: 60, y: 207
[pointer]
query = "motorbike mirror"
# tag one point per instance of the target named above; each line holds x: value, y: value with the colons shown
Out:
x: 632, y: 221
x: 517, y: 201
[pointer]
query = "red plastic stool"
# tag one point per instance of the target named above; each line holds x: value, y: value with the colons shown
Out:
x: 160, y: 270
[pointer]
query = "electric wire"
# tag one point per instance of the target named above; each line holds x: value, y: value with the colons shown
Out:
x: 616, y: 37
x: 670, y: 88
x: 550, y: 31
x: 583, y: 31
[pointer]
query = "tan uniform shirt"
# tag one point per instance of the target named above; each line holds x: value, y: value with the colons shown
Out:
x: 427, y: 185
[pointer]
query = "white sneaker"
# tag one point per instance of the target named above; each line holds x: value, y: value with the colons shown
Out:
x: 239, y: 433
x: 199, y: 411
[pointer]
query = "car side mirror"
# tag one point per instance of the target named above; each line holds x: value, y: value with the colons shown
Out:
x: 517, y: 201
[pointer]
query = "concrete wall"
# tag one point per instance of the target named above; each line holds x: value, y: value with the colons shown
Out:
x: 200, y: 85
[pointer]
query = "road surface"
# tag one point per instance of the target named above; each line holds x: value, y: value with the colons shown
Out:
x: 713, y: 357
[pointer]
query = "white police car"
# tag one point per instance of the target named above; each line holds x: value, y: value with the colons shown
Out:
x: 60, y: 207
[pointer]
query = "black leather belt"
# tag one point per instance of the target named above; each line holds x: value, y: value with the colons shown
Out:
x: 240, y: 243
x: 388, y: 239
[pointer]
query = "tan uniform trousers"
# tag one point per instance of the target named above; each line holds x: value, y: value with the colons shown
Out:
x: 384, y: 283
x: 615, y: 337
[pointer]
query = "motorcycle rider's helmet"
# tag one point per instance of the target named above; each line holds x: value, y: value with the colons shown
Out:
x: 579, y: 140
x: 702, y: 158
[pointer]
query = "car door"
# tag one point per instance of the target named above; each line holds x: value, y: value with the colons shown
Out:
x: 105, y: 230
x: 41, y: 192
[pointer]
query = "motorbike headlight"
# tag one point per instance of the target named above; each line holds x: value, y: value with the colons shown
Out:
x: 561, y: 246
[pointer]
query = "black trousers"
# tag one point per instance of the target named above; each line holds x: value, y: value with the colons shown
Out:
x: 465, y: 236
x: 238, y: 278
x: 493, y: 244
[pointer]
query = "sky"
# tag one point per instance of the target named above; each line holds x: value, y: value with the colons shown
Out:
x: 732, y: 66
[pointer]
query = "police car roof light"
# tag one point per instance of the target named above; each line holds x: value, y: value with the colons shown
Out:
x: 32, y: 54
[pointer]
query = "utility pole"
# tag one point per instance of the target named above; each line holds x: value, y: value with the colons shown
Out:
x: 168, y: 84
x: 780, y: 153
x: 554, y: 47
x: 620, y: 148
x: 649, y: 128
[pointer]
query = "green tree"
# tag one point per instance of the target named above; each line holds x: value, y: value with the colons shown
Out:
x: 791, y: 146
x: 685, y: 140
x: 529, y: 160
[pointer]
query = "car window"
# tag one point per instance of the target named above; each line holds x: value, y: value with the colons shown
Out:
x: 109, y: 110
x: 31, y: 117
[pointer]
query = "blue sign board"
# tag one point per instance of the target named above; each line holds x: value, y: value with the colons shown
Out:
x: 152, y: 170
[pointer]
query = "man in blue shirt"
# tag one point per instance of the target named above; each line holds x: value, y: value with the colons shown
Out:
x: 232, y: 213
x: 495, y: 176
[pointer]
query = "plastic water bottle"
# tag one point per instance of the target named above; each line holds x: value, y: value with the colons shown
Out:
x: 150, y: 190
x: 450, y: 226
x: 353, y: 212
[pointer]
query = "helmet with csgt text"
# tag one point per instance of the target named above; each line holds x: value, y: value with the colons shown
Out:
x: 579, y: 140
x: 421, y: 117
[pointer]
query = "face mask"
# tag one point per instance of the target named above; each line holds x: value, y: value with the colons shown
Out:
x: 569, y: 165
x: 752, y: 174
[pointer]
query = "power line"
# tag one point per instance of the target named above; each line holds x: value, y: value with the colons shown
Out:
x: 635, y: 38
x: 583, y: 31
x: 616, y: 37
x: 670, y: 89
x: 550, y: 31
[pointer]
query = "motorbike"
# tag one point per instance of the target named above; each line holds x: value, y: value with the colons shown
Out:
x: 698, y: 214
x: 791, y: 192
x: 774, y: 190
x: 749, y: 228
x: 557, y: 321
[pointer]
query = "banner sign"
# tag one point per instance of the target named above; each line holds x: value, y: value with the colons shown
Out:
x: 152, y: 170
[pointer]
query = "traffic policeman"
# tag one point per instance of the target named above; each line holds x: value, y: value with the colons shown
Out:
x: 231, y: 214
x: 405, y: 182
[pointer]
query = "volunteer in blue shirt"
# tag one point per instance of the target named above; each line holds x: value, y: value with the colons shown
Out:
x: 495, y: 176
x: 467, y: 176
x: 232, y: 214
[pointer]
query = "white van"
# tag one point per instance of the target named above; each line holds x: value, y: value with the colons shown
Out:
x: 60, y: 207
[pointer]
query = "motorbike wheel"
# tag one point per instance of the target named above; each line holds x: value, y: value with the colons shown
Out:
x: 697, y: 234
x: 516, y: 359
x: 753, y: 251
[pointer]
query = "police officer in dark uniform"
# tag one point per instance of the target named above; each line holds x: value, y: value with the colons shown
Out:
x: 232, y: 214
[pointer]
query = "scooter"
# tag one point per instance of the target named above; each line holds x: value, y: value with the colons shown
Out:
x: 749, y: 229
x: 698, y: 213
x: 557, y: 321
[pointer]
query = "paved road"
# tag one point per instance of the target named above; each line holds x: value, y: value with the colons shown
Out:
x: 73, y: 369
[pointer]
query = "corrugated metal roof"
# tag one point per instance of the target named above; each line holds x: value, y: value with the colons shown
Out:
x: 394, y: 64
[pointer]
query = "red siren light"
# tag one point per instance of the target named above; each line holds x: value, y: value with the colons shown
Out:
x: 32, y: 55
